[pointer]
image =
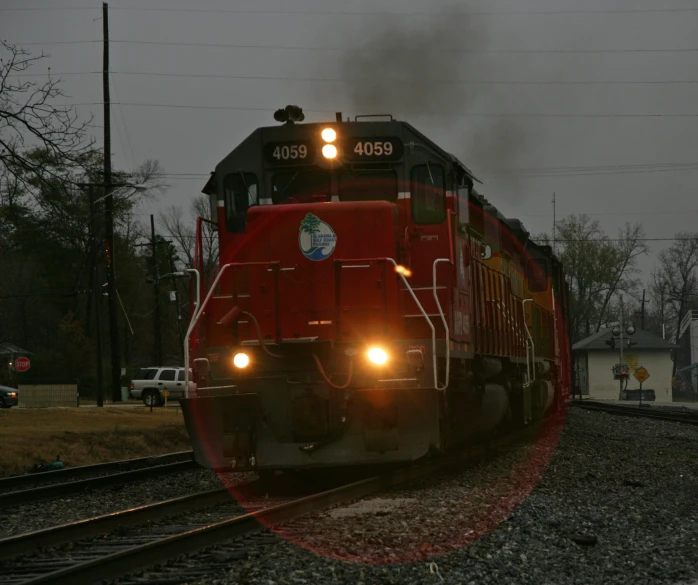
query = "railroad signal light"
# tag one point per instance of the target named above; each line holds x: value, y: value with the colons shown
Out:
x: 611, y: 342
x: 620, y: 372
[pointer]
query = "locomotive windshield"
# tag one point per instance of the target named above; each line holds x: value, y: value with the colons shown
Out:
x: 371, y: 185
x: 298, y: 185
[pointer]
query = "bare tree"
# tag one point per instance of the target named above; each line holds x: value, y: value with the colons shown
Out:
x: 674, y: 284
x: 628, y: 248
x: 183, y: 232
x: 30, y: 119
x: 597, y: 268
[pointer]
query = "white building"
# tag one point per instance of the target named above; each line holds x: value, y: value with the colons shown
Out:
x: 687, y: 356
x: 594, y: 361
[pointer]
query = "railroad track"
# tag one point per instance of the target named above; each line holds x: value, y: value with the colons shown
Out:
x: 131, y: 541
x: 67, y: 481
x: 690, y: 418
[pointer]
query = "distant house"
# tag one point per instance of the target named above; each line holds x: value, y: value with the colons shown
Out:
x: 594, y: 361
x: 9, y: 351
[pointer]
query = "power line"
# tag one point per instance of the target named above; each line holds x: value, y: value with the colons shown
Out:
x: 609, y: 240
x: 347, y: 49
x: 416, y: 114
x: 341, y: 80
x: 616, y: 213
x: 665, y: 239
x: 305, y: 13
x: 590, y: 171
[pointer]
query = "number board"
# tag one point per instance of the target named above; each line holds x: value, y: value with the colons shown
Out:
x: 373, y: 149
x: 288, y: 153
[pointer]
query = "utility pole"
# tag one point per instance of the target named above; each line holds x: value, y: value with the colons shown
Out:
x: 96, y: 297
x: 642, y: 313
x: 621, y: 346
x: 156, y: 292
x: 554, y: 221
x: 179, y: 311
x: 109, y: 221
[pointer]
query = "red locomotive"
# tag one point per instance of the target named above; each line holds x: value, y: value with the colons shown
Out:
x: 370, y: 307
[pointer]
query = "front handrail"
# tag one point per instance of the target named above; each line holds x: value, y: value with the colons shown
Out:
x: 197, y: 315
x: 416, y: 301
x: 443, y: 320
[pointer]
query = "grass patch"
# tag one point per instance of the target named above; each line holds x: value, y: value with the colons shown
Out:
x: 82, y: 436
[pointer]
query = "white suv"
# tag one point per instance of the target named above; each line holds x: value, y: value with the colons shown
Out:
x: 149, y: 384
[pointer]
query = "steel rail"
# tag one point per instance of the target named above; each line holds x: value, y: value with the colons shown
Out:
x: 157, y: 552
x: 28, y: 542
x: 72, y: 487
x: 17, y: 481
x: 690, y: 418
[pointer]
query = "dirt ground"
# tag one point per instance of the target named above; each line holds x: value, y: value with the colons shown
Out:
x: 82, y: 436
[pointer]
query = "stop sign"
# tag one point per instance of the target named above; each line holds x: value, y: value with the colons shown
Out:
x: 22, y: 364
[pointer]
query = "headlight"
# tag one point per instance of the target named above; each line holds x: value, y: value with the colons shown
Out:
x: 377, y: 356
x: 329, y: 135
x: 241, y: 360
x: 329, y: 151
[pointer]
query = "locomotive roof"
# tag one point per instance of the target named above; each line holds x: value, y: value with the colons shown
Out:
x: 381, y: 127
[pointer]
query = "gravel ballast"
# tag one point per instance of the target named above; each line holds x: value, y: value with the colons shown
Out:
x: 617, y: 504
x: 55, y: 511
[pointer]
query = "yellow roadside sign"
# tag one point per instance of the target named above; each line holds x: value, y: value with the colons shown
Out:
x: 641, y: 374
x: 165, y: 393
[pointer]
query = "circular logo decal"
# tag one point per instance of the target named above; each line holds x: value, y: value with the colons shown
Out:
x: 316, y: 239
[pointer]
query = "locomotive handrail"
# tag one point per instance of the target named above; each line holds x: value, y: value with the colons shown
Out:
x: 533, y: 346
x: 197, y: 315
x: 433, y: 331
x: 190, y: 328
x: 415, y: 299
x: 202, y: 306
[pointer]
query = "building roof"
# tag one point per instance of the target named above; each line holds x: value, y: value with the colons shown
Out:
x: 7, y: 348
x: 643, y: 339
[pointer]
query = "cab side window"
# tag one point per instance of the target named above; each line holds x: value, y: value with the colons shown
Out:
x: 240, y: 192
x: 428, y: 194
x: 537, y: 272
x: 463, y: 206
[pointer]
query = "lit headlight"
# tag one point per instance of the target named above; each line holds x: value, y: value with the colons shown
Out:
x: 377, y: 356
x: 241, y: 360
x: 329, y: 151
x: 329, y: 135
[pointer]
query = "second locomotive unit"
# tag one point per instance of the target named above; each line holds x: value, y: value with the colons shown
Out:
x: 369, y: 307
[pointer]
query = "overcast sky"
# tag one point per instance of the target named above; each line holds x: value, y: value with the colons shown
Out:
x: 578, y: 100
